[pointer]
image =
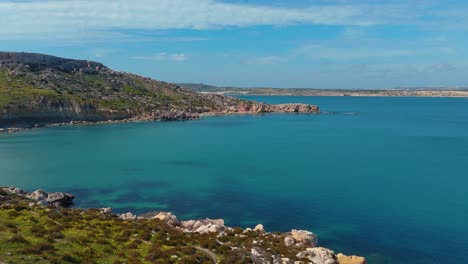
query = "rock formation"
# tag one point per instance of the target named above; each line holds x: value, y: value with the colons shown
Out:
x: 40, y: 197
x: 343, y: 259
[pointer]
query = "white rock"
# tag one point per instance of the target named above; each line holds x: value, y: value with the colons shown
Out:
x: 247, y: 230
x: 318, y: 255
x: 168, y: 218
x: 127, y: 216
x: 289, y: 241
x: 304, y: 237
x: 106, y: 210
x: 259, y: 228
x: 255, y: 252
x: 38, y: 195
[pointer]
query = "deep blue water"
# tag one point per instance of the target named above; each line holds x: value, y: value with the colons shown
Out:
x: 386, y: 178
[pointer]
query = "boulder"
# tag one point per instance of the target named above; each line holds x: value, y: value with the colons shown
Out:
x: 343, y: 259
x: 259, y: 228
x: 168, y: 218
x: 60, y: 199
x: 127, y: 216
x: 318, y: 255
x: 38, y: 195
x: 203, y: 226
x: 289, y: 241
x: 304, y: 238
x: 14, y: 190
x: 106, y: 210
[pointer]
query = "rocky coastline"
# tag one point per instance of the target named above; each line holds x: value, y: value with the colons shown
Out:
x: 255, y: 244
x: 250, y: 108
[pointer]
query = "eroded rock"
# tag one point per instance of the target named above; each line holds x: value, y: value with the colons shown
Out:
x: 203, y: 226
x: 343, y: 259
x: 318, y: 255
x: 304, y: 238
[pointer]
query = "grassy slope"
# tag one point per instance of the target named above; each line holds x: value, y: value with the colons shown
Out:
x: 49, y: 235
x: 122, y: 93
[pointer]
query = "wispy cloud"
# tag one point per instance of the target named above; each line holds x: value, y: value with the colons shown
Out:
x: 88, y: 18
x: 266, y: 60
x: 162, y: 56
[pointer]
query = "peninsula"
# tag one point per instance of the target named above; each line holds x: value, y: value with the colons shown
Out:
x: 38, y: 89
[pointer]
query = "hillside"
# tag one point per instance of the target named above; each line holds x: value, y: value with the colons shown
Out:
x: 34, y: 228
x: 38, y: 89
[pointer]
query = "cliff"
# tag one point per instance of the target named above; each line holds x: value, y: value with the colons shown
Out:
x: 37, y: 89
x: 35, y: 228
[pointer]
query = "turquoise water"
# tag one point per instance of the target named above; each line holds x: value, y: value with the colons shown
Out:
x: 382, y: 177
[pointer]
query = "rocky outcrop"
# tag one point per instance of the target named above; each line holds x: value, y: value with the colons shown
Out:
x: 258, y: 108
x: 301, y: 238
x: 295, y: 108
x: 343, y: 259
x: 40, y: 197
x: 318, y: 255
x: 204, y: 226
x: 127, y: 216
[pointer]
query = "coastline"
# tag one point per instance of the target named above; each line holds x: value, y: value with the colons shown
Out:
x: 247, y: 109
x: 255, y: 243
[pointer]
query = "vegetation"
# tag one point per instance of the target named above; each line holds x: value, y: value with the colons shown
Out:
x: 34, y: 85
x: 50, y: 235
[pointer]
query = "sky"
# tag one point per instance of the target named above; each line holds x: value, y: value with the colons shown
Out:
x: 253, y: 43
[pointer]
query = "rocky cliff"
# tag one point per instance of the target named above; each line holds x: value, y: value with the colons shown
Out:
x: 37, y: 89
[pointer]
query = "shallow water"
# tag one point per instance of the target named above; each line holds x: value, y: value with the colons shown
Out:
x: 381, y: 177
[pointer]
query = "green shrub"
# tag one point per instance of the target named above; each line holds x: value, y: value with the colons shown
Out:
x: 18, y: 239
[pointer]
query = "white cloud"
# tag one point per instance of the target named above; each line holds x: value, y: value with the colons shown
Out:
x: 83, y: 18
x: 162, y: 56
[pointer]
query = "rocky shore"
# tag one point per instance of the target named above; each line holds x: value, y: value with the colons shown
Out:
x: 249, y: 245
x: 181, y: 115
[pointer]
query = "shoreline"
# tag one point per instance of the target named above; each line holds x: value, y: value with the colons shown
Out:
x: 250, y: 109
x: 302, y: 244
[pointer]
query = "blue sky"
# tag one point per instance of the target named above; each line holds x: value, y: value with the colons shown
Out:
x: 302, y: 43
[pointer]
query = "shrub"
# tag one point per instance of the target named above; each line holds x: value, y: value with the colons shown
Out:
x: 18, y: 239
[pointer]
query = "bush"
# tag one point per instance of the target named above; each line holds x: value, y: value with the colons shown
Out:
x: 146, y: 235
x: 38, y: 249
x: 18, y: 239
x: 70, y: 258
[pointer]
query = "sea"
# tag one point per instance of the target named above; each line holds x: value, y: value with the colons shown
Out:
x: 381, y: 177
